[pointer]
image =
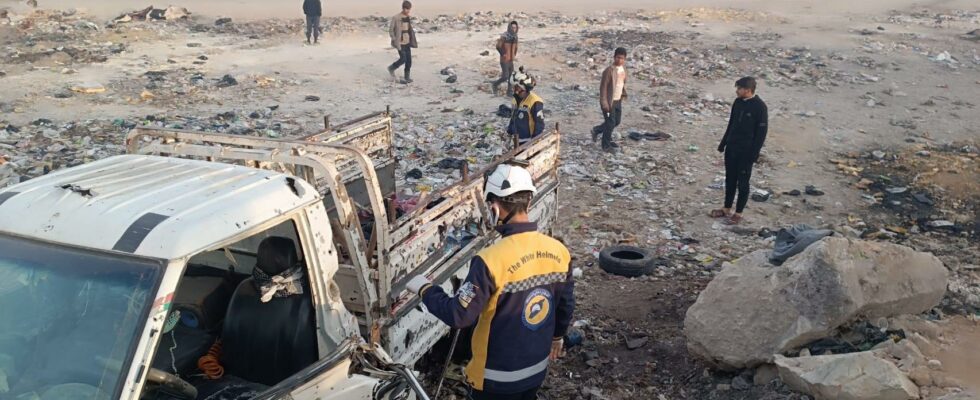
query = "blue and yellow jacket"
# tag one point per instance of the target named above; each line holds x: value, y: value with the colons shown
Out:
x: 527, y: 119
x: 519, y: 292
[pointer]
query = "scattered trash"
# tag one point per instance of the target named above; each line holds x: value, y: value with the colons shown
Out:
x: 793, y: 240
x: 923, y: 198
x: 415, y: 173
x: 655, y: 136
x: 760, y: 195
x: 813, y: 191
x: 451, y: 163
x: 88, y: 88
x: 312, y: 98
x: 227, y: 81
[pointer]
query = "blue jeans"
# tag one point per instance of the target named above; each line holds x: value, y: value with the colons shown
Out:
x: 404, y: 58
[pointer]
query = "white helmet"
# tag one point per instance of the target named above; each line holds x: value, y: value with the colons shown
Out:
x: 523, y: 79
x: 507, y: 180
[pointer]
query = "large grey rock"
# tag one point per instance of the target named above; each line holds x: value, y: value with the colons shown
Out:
x: 753, y: 310
x: 853, y: 376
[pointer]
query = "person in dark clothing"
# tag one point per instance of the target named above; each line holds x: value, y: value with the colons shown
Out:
x: 742, y: 143
x: 313, y: 10
x: 403, y: 39
x: 612, y: 92
x: 507, y: 47
x: 519, y: 292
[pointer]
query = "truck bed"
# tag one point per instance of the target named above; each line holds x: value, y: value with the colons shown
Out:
x: 353, y: 167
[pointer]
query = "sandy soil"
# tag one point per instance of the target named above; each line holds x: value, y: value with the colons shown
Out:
x: 828, y: 63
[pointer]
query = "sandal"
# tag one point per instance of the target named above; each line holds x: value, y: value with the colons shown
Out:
x: 719, y: 213
x: 735, y: 219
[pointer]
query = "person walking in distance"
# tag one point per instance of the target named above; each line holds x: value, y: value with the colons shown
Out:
x: 403, y: 39
x: 313, y: 11
x: 507, y: 48
x: 742, y: 143
x: 612, y: 92
x: 519, y: 292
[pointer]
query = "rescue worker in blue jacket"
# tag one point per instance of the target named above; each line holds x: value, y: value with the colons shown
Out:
x: 527, y: 117
x: 519, y: 293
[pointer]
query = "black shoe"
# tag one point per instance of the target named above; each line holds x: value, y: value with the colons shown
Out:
x: 391, y: 71
x: 613, y: 145
x: 595, y: 134
x: 609, y: 149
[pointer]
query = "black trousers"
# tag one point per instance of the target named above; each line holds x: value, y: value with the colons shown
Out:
x: 404, y: 58
x: 530, y: 394
x: 738, y: 170
x: 610, y: 121
x: 506, y: 69
x: 313, y: 27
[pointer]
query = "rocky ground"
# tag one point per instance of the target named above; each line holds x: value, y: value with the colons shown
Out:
x: 877, y: 112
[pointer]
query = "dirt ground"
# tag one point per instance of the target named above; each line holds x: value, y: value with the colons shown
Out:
x: 862, y: 103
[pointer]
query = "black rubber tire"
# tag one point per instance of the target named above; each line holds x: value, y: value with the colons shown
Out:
x: 628, y: 261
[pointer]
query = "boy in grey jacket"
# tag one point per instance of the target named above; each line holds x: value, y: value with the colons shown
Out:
x: 612, y: 92
x: 403, y: 39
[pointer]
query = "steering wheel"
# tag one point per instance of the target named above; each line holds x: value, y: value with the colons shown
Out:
x: 172, y: 384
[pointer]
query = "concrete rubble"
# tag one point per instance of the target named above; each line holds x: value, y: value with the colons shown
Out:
x: 753, y: 310
x: 854, y: 376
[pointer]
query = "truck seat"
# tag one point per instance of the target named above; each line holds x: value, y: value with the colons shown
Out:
x: 268, y: 342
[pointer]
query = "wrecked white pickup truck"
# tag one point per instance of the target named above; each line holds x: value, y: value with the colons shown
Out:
x: 147, y: 275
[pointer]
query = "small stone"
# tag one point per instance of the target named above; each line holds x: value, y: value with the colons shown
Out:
x: 312, y: 98
x: 878, y: 154
x: 761, y: 195
x: 765, y: 374
x: 935, y: 365
x: 741, y: 383
x: 723, y: 387
x: 634, y: 344
x: 88, y: 88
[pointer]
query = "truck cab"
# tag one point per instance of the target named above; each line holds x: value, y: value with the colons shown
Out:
x: 204, y: 265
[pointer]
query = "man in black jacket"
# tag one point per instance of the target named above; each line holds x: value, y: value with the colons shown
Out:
x: 313, y: 11
x: 743, y: 140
